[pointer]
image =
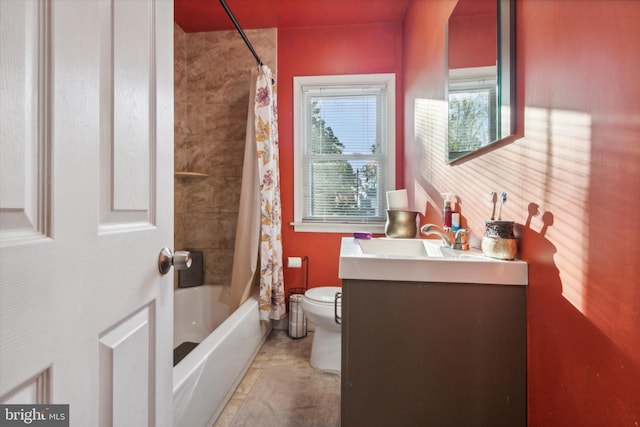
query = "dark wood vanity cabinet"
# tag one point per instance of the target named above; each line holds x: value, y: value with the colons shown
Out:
x: 433, y: 354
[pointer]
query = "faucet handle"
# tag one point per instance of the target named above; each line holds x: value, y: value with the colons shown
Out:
x: 461, y: 241
x: 462, y: 231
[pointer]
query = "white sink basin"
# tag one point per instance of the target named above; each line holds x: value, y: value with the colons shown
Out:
x: 393, y: 247
x: 409, y: 248
x: 424, y: 260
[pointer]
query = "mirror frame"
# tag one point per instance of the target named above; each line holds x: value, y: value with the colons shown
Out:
x: 506, y: 80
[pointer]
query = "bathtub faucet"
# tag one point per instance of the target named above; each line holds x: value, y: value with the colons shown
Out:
x: 455, y: 240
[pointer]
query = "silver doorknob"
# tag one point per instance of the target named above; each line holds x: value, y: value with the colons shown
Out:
x: 181, y: 260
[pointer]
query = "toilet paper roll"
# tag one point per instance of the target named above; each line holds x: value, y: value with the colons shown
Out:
x: 294, y: 262
x: 397, y: 200
x: 296, y: 314
x: 296, y: 309
x: 297, y: 331
x: 296, y: 297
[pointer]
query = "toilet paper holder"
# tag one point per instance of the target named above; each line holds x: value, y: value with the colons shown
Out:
x: 297, y: 262
x: 297, y: 319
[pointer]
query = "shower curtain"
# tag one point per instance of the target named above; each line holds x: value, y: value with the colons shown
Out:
x: 258, y: 234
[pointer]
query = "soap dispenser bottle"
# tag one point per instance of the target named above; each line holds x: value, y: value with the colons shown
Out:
x: 447, y: 211
x: 446, y: 214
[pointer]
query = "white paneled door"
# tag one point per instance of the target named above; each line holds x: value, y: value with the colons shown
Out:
x: 86, y: 205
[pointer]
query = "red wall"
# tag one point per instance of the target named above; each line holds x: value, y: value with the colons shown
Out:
x: 372, y: 48
x: 472, y: 35
x: 572, y: 175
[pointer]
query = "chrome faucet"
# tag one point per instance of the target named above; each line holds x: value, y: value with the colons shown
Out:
x: 454, y: 240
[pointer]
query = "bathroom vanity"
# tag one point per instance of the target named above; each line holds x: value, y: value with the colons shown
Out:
x: 432, y: 352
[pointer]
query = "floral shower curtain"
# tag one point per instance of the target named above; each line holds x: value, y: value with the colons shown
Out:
x: 272, y: 298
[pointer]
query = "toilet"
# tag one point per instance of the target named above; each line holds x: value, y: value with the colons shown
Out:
x: 319, y: 305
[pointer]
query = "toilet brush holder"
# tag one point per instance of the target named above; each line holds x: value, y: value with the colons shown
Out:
x: 499, y: 240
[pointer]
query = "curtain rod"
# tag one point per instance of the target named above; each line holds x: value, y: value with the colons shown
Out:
x: 244, y: 36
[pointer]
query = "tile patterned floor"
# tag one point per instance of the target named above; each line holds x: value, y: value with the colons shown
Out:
x: 278, y: 350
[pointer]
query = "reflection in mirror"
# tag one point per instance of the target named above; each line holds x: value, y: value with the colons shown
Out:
x: 480, y: 83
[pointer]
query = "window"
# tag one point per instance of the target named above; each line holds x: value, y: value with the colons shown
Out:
x: 472, y: 109
x: 344, y: 151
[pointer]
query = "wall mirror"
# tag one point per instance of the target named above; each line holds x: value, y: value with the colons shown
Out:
x: 480, y: 75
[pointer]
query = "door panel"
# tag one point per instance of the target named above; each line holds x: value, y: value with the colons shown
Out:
x: 87, y: 144
x: 24, y: 105
x: 35, y: 391
x: 128, y: 88
x: 125, y: 366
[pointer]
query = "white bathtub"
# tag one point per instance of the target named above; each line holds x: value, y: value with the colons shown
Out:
x: 205, y: 379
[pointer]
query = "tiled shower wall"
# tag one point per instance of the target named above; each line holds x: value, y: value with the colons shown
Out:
x: 212, y: 77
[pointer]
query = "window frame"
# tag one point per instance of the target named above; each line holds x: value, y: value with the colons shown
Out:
x: 389, y: 146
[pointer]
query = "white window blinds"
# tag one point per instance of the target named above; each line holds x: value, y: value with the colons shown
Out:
x: 344, y: 145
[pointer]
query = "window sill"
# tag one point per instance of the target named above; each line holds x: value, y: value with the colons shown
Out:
x: 327, y: 227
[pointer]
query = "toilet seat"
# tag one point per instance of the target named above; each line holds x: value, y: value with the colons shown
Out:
x: 323, y: 294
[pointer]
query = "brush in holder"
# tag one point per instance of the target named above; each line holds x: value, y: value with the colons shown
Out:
x: 401, y: 224
x: 499, y: 241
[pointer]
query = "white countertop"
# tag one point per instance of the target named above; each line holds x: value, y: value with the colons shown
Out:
x: 405, y: 260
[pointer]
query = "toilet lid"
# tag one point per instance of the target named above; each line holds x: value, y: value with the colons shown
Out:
x: 323, y: 293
